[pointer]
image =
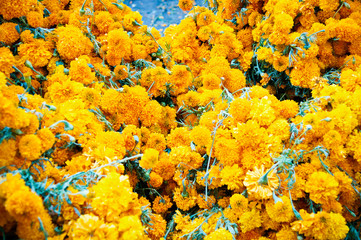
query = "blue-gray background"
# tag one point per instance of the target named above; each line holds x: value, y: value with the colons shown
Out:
x: 159, y: 13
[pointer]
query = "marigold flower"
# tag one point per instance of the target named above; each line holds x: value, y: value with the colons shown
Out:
x: 72, y: 43
x: 333, y: 225
x: 185, y: 5
x: 219, y: 234
x: 149, y: 158
x: 161, y: 204
x: 250, y: 220
x: 322, y: 187
x: 7, y: 61
x: 35, y: 19
x: 30, y: 147
x: 9, y: 10
x: 121, y: 72
x: 260, y: 184
x: 8, y: 33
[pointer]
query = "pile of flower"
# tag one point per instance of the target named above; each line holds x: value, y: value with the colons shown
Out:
x: 241, y: 122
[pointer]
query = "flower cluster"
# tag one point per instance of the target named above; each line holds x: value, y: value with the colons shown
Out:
x: 241, y: 122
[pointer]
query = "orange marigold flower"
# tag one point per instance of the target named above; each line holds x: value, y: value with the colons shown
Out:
x: 119, y: 46
x: 121, y: 72
x: 72, y: 43
x: 7, y: 61
x: 185, y: 5
x: 151, y: 114
x: 35, y: 19
x: 179, y: 137
x: 10, y: 9
x: 155, y: 180
x: 161, y: 204
x: 180, y: 79
x: 30, y: 147
x: 156, y: 141
x: 260, y: 184
x: 8, y: 33
x: 132, y: 21
x: 7, y: 152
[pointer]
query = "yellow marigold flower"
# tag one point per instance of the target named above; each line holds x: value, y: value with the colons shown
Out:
x: 24, y: 205
x: 155, y: 79
x: 114, y: 198
x: 303, y: 71
x: 185, y: 157
x: 280, y: 128
x: 7, y: 61
x: 91, y: 97
x: 201, y: 136
x: 155, y: 180
x: 151, y: 114
x: 179, y: 137
x: 8, y: 33
x: 121, y: 72
x: 205, y: 18
x: 350, y: 79
x: 156, y: 141
x: 186, y: 5
x: 130, y: 227
x: 287, y: 108
x: 281, y: 211
x: 211, y: 81
x: 262, y: 112
x: 30, y: 147
x: 232, y: 176
x: 250, y: 220
x: 161, y: 204
x: 286, y: 233
x: 260, y: 185
x: 164, y: 167
x: 132, y: 21
x: 219, y: 234
x: 332, y: 225
x: 32, y: 230
x: 203, y: 204
x: 180, y: 79
x: 119, y: 46
x: 10, y: 9
x: 47, y: 138
x: 239, y: 203
x: 185, y: 198
x: 91, y: 227
x: 190, y: 99
x: 80, y: 71
x: 240, y: 109
x: 149, y: 158
x: 322, y: 187
x: 72, y: 43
